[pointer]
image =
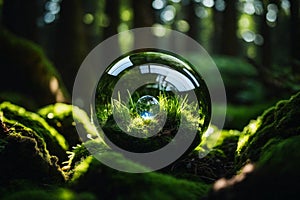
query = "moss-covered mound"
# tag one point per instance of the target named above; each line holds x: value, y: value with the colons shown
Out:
x: 106, y: 183
x: 28, y: 78
x: 276, y: 175
x: 24, y: 189
x: 54, y: 141
x: 72, y: 122
x: 28, y: 150
x: 149, y: 144
x: 23, y: 155
x: 277, y: 123
x: 60, y: 116
x: 262, y: 162
x: 211, y: 160
x: 267, y: 157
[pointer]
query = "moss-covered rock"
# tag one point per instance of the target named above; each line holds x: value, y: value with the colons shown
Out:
x: 106, y: 183
x: 54, y: 141
x: 275, y: 176
x: 277, y: 123
x: 226, y: 141
x: 81, y: 152
x: 23, y: 155
x: 211, y: 160
x: 60, y: 116
x: 64, y: 119
x: 28, y: 78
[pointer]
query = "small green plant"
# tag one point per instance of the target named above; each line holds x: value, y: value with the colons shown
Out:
x: 181, y: 111
x: 125, y: 126
x: 174, y: 111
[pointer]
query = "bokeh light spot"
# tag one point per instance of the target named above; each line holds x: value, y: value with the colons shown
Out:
x: 249, y: 8
x: 208, y: 3
x: 126, y: 15
x: 88, y: 18
x: 183, y: 26
x: 168, y: 14
x: 201, y: 12
x: 220, y: 5
x: 49, y: 18
x: 248, y: 36
x: 158, y: 4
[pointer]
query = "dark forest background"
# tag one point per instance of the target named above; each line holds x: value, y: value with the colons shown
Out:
x: 253, y: 42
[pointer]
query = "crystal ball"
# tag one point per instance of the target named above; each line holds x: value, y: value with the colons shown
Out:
x: 150, y: 98
x: 147, y: 107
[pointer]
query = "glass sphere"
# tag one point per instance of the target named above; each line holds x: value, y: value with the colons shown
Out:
x: 147, y: 97
x: 147, y: 107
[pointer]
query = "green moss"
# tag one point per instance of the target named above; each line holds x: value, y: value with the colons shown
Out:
x: 54, y: 141
x: 82, y: 168
x: 227, y: 143
x: 64, y: 117
x: 35, y: 78
x: 104, y: 182
x: 50, y: 193
x: 212, y: 159
x: 80, y: 152
x: 277, y: 123
x: 276, y: 174
x: 60, y: 117
x: 128, y: 130
x: 282, y: 156
x: 217, y: 139
x: 23, y: 155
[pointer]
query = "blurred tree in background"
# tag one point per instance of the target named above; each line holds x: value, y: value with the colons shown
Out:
x: 263, y: 34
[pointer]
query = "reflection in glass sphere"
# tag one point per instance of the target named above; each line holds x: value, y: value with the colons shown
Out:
x: 147, y: 107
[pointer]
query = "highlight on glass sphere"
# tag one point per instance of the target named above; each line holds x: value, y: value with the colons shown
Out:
x: 147, y: 97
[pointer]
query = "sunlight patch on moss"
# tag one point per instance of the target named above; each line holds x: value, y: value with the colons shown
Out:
x: 82, y: 168
x: 65, y: 194
x: 249, y: 130
x: 82, y: 117
x: 214, y: 137
x: 19, y: 114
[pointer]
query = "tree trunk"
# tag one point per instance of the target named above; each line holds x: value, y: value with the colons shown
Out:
x: 217, y: 32
x: 92, y: 31
x: 295, y: 34
x: 266, y: 52
x: 229, y: 42
x: 70, y: 44
x: 113, y: 14
x: 193, y: 21
x: 20, y: 17
x: 143, y: 17
x: 143, y: 13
